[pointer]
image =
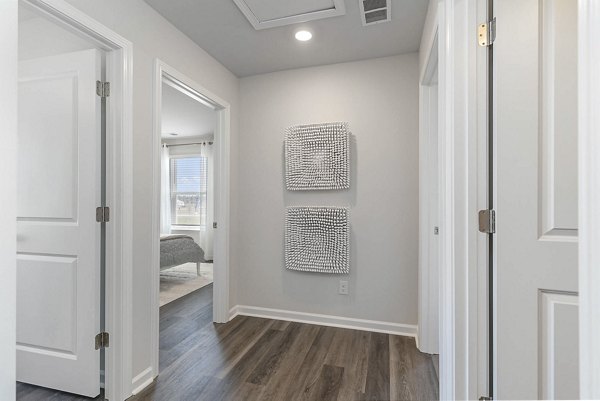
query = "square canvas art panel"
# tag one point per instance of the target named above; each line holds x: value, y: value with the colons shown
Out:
x: 317, y: 239
x: 317, y: 156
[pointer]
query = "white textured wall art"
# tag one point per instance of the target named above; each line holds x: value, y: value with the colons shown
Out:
x: 317, y: 239
x: 317, y: 156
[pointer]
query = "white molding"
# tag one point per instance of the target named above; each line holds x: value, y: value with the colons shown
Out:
x: 339, y: 8
x: 409, y: 330
x: 163, y: 72
x: 143, y: 380
x: 446, y: 129
x: 8, y: 198
x: 428, y: 276
x: 119, y: 163
x: 461, y: 249
x: 589, y: 198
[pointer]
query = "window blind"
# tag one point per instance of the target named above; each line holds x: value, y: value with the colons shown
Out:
x: 188, y: 190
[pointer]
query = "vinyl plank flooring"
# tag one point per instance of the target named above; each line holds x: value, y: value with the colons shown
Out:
x: 413, y: 375
x: 307, y: 374
x: 378, y: 372
x: 254, y: 359
x: 329, y: 384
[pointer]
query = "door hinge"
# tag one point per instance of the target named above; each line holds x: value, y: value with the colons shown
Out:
x: 102, y: 340
x: 103, y: 214
x: 103, y: 89
x: 485, y: 398
x: 214, y: 224
x: 486, y: 33
x: 487, y: 221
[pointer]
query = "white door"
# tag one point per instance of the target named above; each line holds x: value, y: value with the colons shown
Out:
x: 58, y: 239
x: 535, y: 56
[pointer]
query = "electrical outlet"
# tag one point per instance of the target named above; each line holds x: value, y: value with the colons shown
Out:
x: 343, y: 289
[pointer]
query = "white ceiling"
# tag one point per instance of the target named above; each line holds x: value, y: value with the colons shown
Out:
x: 220, y: 28
x: 184, y: 116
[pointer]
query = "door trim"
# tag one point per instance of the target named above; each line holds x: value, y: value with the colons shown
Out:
x: 119, y: 186
x: 428, y: 332
x: 8, y: 197
x: 222, y: 210
x: 589, y: 199
x: 463, y: 191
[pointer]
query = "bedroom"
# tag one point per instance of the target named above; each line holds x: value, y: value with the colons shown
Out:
x: 187, y: 193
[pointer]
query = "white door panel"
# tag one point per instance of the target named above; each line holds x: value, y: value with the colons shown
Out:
x: 536, y: 186
x: 58, y: 239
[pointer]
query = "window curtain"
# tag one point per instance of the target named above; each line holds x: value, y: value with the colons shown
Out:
x: 165, y: 191
x: 207, y: 235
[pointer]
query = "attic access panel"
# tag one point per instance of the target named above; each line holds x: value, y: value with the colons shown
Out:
x: 264, y: 14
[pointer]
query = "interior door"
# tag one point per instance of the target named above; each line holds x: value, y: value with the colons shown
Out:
x: 535, y: 67
x: 58, y: 238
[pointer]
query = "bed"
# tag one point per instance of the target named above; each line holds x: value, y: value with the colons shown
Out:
x: 179, y: 249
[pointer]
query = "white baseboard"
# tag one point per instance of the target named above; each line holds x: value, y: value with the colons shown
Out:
x: 409, y: 330
x: 143, y: 380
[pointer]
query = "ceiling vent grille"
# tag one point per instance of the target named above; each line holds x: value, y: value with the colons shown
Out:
x: 375, y: 11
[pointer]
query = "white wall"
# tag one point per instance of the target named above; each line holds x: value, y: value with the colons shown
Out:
x: 154, y: 37
x: 8, y: 183
x: 40, y: 37
x: 379, y: 99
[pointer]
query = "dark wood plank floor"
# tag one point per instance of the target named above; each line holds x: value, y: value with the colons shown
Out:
x: 261, y: 359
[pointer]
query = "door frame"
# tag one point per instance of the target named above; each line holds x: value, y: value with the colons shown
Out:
x: 222, y: 138
x: 8, y: 197
x: 119, y: 188
x: 589, y: 198
x: 463, y: 192
x: 428, y: 330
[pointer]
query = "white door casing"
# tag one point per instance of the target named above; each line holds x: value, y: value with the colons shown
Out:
x: 536, y: 330
x: 58, y: 238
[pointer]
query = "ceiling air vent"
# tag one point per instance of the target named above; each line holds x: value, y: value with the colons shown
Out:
x: 375, y: 11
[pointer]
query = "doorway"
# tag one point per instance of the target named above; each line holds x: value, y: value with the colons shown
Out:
x: 73, y: 166
x: 60, y: 261
x: 198, y: 221
x: 187, y: 193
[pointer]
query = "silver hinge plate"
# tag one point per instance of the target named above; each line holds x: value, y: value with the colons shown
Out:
x: 102, y: 340
x: 103, y: 89
x: 103, y: 214
x: 486, y: 33
x: 487, y: 221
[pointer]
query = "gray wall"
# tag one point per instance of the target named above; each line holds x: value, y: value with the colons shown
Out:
x: 379, y: 98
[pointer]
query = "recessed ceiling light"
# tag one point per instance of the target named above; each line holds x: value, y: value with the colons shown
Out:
x: 303, y: 36
x: 173, y: 134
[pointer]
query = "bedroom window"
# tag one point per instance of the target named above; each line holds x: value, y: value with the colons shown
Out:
x: 188, y: 191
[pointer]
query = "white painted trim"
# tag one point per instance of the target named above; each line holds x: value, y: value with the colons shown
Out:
x: 8, y: 197
x: 165, y: 73
x: 589, y: 198
x: 339, y: 8
x: 447, y: 319
x: 143, y: 380
x: 460, y: 191
x: 376, y: 326
x: 119, y: 182
x: 428, y: 276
